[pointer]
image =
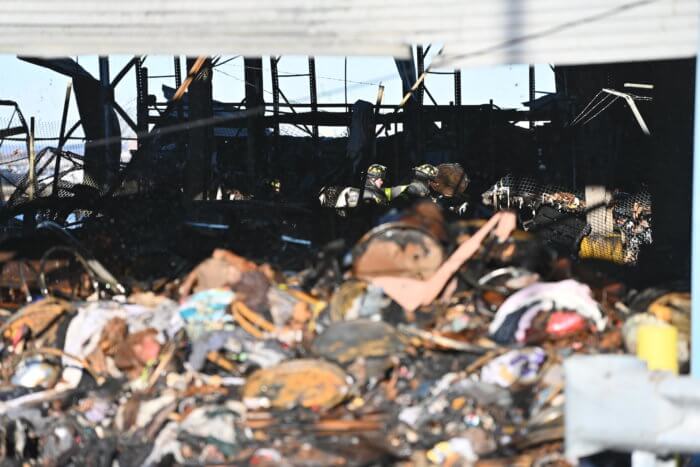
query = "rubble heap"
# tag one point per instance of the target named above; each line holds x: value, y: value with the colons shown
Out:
x: 427, y: 344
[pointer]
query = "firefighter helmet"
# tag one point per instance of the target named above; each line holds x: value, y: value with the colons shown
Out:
x: 376, y: 171
x: 427, y: 171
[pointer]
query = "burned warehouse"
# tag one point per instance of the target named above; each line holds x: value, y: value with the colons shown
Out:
x: 357, y: 234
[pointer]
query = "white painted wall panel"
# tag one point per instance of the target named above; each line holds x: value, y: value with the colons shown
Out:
x: 473, y: 32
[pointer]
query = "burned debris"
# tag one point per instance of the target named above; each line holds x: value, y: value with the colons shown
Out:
x: 232, y: 295
x: 240, y: 362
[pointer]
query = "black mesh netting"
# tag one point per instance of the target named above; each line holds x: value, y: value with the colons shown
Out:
x: 593, y: 224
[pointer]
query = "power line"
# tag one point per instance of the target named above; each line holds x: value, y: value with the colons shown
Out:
x: 588, y: 120
x: 551, y: 30
x: 299, y: 100
x: 241, y: 80
x: 590, y: 107
x: 365, y: 83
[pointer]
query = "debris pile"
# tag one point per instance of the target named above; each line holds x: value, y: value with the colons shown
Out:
x: 428, y: 343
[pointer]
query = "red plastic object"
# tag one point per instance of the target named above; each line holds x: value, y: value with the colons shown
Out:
x: 564, y: 323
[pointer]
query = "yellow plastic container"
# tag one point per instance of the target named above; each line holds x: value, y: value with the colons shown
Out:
x: 607, y: 248
x: 657, y: 344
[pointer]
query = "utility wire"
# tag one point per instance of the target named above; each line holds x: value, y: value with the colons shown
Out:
x: 588, y: 120
x: 366, y: 83
x: 590, y: 107
x: 552, y: 30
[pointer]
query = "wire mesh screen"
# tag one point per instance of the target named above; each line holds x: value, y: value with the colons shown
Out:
x: 69, y: 173
x: 49, y: 182
x: 14, y: 160
x: 601, y: 224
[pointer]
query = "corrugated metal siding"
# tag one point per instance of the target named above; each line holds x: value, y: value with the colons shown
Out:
x: 473, y: 33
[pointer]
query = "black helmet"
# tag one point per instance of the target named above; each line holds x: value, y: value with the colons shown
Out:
x: 426, y: 171
x: 376, y: 171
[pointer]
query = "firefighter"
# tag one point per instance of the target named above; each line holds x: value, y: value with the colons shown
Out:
x: 450, y: 184
x: 373, y: 191
x: 348, y: 197
x: 419, y: 186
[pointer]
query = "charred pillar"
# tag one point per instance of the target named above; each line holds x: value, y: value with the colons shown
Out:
x: 180, y: 136
x: 531, y: 76
x: 201, y: 132
x: 99, y: 168
x: 420, y: 65
x: 177, y: 71
x: 106, y: 100
x: 458, y: 88
x: 275, y: 100
x: 314, y: 96
x: 255, y: 110
x: 141, y: 103
x: 459, y: 116
x: 361, y: 135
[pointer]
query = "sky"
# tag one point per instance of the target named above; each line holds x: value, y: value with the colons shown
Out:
x: 40, y: 92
